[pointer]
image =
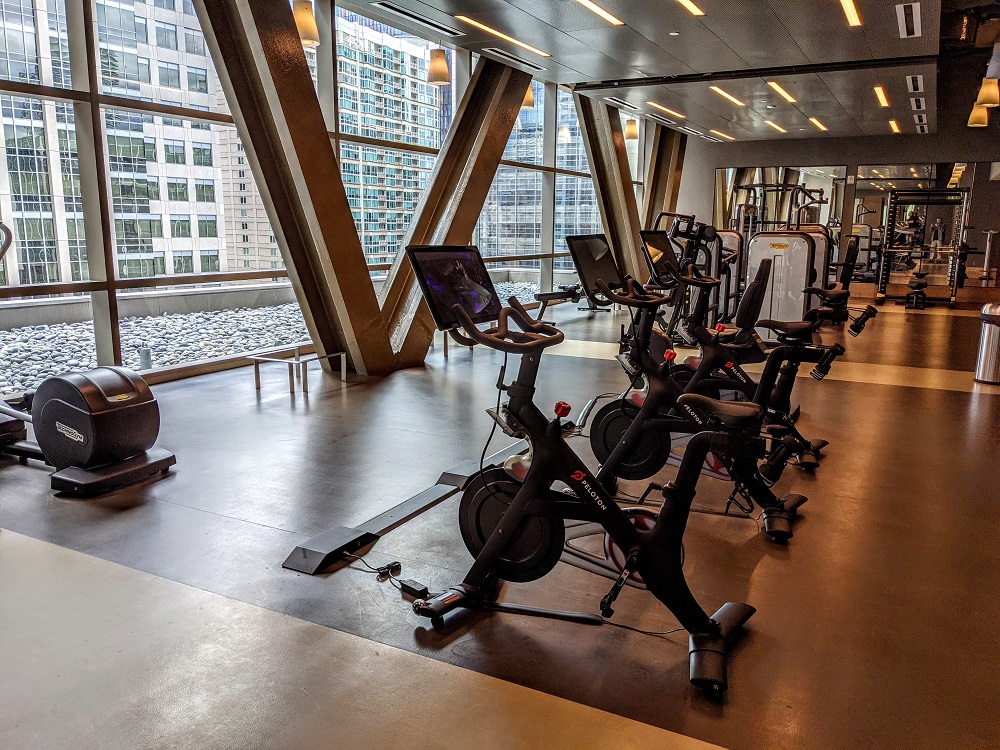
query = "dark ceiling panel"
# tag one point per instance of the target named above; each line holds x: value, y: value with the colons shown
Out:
x: 754, y: 32
x: 633, y: 49
x: 733, y: 35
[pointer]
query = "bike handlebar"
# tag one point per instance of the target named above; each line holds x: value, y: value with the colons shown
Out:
x: 634, y: 295
x: 533, y: 336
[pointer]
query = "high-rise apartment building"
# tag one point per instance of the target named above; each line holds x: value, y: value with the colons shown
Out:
x: 164, y: 172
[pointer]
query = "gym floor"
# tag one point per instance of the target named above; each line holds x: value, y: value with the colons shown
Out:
x: 160, y: 616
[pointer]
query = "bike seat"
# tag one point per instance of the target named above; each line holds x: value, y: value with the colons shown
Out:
x: 737, y: 415
x: 797, y: 329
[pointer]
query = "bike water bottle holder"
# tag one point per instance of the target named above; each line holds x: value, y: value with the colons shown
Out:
x: 626, y: 362
x: 506, y: 421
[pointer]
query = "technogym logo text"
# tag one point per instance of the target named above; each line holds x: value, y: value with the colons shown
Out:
x: 69, y: 432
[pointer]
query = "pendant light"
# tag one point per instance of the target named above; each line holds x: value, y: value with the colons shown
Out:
x: 305, y: 22
x: 438, y: 73
x: 631, y: 130
x: 529, y: 99
x: 980, y: 117
x: 989, y: 93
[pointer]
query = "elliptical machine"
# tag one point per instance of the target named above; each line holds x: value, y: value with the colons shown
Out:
x: 96, y: 428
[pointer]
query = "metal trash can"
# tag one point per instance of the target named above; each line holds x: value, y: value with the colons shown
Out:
x: 988, y: 364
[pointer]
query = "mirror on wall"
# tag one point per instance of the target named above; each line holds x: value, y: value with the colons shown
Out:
x: 756, y: 199
x: 931, y: 231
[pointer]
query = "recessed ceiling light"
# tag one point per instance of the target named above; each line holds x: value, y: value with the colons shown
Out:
x: 690, y: 6
x: 894, y: 125
x: 880, y: 95
x: 501, y: 35
x: 775, y: 126
x: 664, y: 109
x: 818, y: 124
x: 851, y: 12
x: 727, y: 95
x: 722, y: 135
x: 675, y: 33
x: 595, y: 8
x: 771, y: 106
x: 777, y: 87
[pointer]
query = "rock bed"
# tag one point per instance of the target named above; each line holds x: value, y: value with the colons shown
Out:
x: 523, y: 290
x: 29, y: 355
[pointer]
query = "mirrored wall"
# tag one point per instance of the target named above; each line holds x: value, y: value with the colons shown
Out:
x: 928, y: 226
x: 755, y: 199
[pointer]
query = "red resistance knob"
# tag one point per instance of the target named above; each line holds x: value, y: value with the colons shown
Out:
x: 719, y: 327
x: 562, y: 409
x: 670, y: 355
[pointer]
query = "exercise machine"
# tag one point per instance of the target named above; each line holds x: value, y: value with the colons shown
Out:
x: 517, y: 530
x: 900, y: 201
x: 97, y: 428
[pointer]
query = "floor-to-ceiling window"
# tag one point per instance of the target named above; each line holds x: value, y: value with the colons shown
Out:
x: 391, y: 122
x: 193, y: 269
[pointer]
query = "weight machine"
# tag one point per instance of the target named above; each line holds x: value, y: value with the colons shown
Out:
x: 890, y: 253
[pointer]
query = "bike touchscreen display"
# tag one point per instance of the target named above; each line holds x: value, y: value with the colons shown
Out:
x: 455, y: 275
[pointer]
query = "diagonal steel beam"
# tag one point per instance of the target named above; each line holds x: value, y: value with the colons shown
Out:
x: 259, y: 58
x: 663, y: 175
x: 456, y: 192
x: 605, y: 143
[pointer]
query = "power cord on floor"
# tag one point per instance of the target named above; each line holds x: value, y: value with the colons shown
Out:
x: 384, y: 572
x: 654, y: 633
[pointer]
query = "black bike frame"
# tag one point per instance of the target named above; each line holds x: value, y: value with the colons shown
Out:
x: 658, y: 551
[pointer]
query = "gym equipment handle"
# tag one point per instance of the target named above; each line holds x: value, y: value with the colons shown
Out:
x: 634, y: 295
x: 534, y: 335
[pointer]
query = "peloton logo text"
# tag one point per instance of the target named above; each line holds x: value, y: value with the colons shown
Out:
x: 579, y: 476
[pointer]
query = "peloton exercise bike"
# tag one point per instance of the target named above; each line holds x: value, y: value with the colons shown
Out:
x: 95, y: 428
x: 517, y: 530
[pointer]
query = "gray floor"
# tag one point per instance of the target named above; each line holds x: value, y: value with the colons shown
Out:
x: 872, y: 628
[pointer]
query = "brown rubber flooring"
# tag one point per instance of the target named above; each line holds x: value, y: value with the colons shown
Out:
x: 874, y: 625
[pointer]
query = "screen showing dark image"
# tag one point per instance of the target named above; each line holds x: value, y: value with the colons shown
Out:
x: 455, y: 275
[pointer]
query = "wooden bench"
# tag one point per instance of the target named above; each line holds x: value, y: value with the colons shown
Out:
x: 298, y: 364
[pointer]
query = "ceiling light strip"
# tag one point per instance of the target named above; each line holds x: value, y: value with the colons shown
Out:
x: 851, y: 11
x: 727, y: 95
x: 776, y: 126
x: 777, y: 87
x: 664, y: 109
x: 501, y: 35
x: 722, y: 135
x: 880, y: 95
x: 818, y: 124
x: 595, y: 8
x: 693, y: 9
x: 894, y: 125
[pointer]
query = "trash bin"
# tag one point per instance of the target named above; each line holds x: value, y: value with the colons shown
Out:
x: 988, y: 364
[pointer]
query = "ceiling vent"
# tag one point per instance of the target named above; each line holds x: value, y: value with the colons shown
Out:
x: 692, y: 131
x: 712, y: 139
x: 511, y: 58
x: 620, y: 103
x: 918, y: 103
x: 920, y: 119
x: 915, y: 84
x: 663, y: 120
x: 922, y: 129
x: 415, y: 18
x: 908, y: 17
